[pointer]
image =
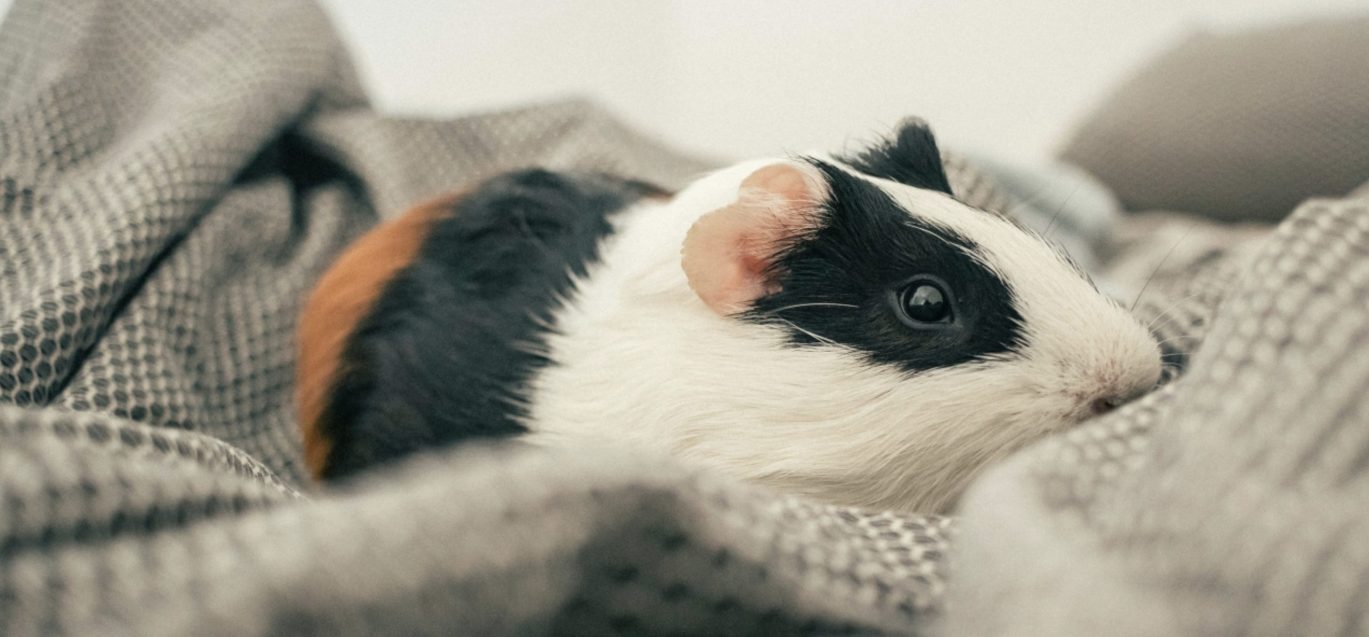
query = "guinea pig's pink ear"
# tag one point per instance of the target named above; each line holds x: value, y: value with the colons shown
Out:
x: 729, y: 253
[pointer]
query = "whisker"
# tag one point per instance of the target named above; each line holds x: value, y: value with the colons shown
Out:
x: 1161, y: 321
x: 1060, y: 209
x: 1161, y: 264
x: 803, y: 305
x: 1171, y: 336
x: 1033, y: 198
x: 1172, y: 339
x: 817, y: 337
x: 1166, y: 312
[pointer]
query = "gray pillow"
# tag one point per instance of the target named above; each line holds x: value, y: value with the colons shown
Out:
x: 1362, y: 191
x: 1240, y: 126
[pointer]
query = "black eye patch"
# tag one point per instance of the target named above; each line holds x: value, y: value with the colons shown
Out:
x: 844, y: 283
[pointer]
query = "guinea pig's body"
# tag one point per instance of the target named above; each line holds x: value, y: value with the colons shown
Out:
x: 843, y: 329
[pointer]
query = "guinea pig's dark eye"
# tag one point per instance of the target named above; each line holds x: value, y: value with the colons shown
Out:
x: 923, y: 302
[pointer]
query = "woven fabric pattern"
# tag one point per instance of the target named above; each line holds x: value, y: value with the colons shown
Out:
x: 1235, y: 501
x: 173, y: 176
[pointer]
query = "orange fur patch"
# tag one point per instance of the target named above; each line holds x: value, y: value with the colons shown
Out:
x: 343, y: 296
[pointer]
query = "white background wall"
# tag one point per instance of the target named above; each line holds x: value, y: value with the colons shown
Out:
x: 747, y: 77
x: 751, y: 77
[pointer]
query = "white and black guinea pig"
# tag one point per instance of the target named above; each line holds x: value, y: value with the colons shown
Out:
x: 841, y: 328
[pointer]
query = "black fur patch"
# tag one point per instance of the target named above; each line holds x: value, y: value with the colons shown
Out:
x: 910, y: 157
x: 455, y: 334
x: 866, y: 251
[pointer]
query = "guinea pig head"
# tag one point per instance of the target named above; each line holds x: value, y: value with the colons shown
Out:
x: 886, y: 339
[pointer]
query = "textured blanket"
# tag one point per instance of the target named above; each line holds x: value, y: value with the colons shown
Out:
x: 174, y: 175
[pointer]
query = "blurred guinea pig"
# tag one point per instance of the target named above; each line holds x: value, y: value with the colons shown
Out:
x: 842, y: 328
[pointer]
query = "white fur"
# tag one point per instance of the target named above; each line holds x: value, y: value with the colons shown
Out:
x: 642, y: 361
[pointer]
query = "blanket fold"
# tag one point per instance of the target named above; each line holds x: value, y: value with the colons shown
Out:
x: 173, y: 177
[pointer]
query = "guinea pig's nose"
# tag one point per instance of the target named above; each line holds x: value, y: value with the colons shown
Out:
x: 1105, y: 404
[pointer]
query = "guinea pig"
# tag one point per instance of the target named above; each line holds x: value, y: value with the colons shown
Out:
x: 842, y: 328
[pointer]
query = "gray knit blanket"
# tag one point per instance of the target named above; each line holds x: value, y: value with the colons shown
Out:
x: 173, y: 177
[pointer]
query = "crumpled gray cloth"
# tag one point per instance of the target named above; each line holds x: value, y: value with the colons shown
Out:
x: 173, y: 176
x: 1235, y: 501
